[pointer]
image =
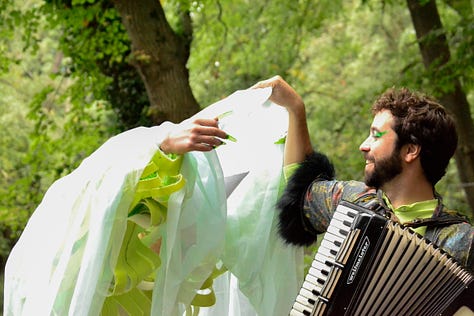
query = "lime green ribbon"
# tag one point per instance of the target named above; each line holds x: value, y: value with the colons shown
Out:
x: 139, y: 254
x: 138, y: 259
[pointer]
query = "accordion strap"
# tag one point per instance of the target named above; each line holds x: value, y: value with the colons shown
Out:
x: 444, y: 220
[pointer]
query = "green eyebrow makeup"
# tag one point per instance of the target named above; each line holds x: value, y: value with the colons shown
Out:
x: 380, y: 134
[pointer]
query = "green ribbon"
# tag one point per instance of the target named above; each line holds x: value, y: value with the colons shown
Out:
x: 139, y: 254
x: 138, y: 260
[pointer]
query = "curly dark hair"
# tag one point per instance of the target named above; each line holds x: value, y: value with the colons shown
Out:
x: 421, y: 120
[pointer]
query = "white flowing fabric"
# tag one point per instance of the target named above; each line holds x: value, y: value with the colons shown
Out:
x: 63, y: 263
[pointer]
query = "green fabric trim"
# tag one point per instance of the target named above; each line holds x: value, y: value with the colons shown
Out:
x: 407, y: 213
x: 134, y: 302
x: 289, y: 170
x: 206, y: 296
x: 159, y: 179
x: 137, y: 262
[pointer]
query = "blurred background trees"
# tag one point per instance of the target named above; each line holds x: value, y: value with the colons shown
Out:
x: 75, y: 72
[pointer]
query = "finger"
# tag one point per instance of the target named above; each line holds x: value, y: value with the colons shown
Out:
x: 271, y: 82
x: 208, y: 140
x: 209, y: 131
x: 207, y: 122
x: 208, y: 145
x: 202, y: 147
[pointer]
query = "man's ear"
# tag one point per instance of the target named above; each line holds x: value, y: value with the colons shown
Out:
x: 411, y: 152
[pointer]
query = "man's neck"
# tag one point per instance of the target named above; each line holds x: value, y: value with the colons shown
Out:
x: 402, y: 191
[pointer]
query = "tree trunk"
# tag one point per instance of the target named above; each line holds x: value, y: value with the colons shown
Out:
x: 436, y: 55
x: 160, y: 56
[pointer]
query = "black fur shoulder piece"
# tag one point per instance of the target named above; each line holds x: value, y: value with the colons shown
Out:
x: 293, y: 226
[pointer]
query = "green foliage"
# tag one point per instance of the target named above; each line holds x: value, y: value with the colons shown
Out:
x: 97, y: 46
x: 459, y: 27
x: 237, y: 43
x: 68, y: 77
x: 48, y: 132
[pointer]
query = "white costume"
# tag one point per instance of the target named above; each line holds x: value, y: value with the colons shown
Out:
x: 221, y: 216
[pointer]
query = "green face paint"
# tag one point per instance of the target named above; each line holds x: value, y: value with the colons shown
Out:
x: 379, y: 134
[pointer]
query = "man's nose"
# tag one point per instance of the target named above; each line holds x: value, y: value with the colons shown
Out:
x: 365, y: 146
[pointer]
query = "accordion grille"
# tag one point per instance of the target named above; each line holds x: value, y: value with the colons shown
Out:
x: 409, y: 276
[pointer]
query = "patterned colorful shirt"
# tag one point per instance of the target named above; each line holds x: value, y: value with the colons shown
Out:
x: 445, y: 228
x: 311, y: 197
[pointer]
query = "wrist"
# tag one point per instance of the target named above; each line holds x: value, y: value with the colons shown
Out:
x: 297, y: 112
x: 164, y: 147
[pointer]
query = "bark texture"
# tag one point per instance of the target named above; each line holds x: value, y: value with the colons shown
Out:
x: 435, y: 52
x: 160, y: 56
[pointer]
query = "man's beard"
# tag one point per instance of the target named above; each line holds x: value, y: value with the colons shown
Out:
x: 384, y: 170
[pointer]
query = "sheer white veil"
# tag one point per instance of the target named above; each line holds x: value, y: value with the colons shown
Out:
x: 225, y: 215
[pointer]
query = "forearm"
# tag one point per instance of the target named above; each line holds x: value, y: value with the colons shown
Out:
x: 298, y: 144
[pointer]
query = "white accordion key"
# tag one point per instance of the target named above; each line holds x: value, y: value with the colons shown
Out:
x: 329, y: 253
x: 309, y: 299
x: 346, y: 211
x: 319, y: 274
x: 307, y: 303
x: 343, y: 227
x: 310, y: 295
x: 299, y: 310
x: 337, y: 231
x: 344, y: 219
x: 336, y: 240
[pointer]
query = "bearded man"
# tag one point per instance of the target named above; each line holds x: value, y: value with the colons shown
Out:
x: 410, y: 142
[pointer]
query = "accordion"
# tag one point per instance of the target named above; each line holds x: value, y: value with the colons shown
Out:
x: 369, y: 265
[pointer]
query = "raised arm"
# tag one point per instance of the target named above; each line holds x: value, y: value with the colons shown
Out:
x: 293, y: 224
x: 298, y: 144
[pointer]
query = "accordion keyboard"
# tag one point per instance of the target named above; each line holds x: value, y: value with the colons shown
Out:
x: 326, y: 260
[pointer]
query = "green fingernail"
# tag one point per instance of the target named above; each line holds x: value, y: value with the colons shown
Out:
x: 231, y: 138
x: 221, y: 116
x: 222, y: 143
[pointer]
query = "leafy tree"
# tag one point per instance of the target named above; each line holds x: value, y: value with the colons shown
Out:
x: 160, y: 54
x: 237, y: 43
x: 96, y: 46
x: 79, y: 71
x: 446, y: 81
x: 45, y: 135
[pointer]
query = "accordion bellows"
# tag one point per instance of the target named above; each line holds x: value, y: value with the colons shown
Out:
x: 368, y: 265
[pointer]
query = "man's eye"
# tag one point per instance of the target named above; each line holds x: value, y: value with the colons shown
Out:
x: 378, y: 134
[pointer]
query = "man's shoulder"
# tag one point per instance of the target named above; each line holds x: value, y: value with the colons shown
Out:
x: 455, y: 236
x: 451, y: 216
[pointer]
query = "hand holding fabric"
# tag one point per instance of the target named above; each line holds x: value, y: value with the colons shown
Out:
x: 298, y: 144
x: 202, y: 135
x: 283, y: 94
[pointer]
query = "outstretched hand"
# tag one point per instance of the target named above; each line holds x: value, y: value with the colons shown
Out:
x: 202, y: 135
x: 282, y: 94
x: 298, y: 143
